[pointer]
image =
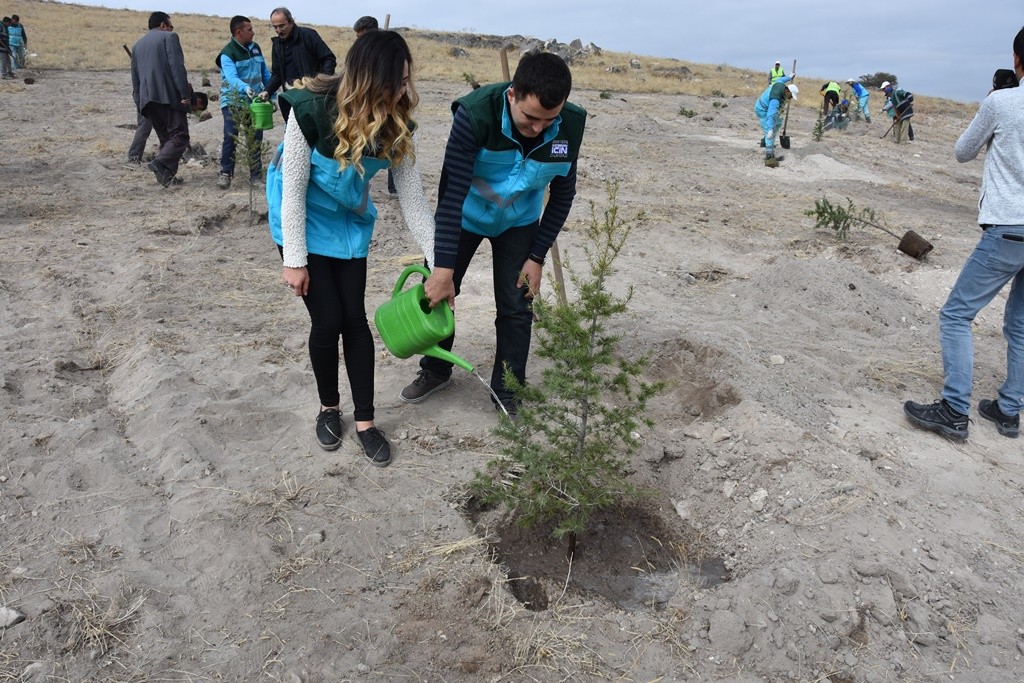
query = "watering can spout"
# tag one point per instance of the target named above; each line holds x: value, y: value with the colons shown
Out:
x: 441, y: 354
x: 408, y: 325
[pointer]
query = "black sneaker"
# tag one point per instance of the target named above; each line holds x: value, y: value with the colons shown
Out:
x: 1007, y: 426
x: 163, y: 176
x: 328, y: 429
x: 938, y: 417
x: 375, y: 446
x: 425, y: 384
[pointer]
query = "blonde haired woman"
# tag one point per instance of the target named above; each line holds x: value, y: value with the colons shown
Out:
x: 340, y: 132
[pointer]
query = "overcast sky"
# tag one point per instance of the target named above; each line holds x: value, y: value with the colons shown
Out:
x: 946, y: 48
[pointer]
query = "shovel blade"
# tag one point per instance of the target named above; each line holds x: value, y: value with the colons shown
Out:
x: 784, y: 141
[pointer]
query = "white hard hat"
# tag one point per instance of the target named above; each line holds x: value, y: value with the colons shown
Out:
x: 849, y: 80
x: 885, y: 84
x: 793, y: 90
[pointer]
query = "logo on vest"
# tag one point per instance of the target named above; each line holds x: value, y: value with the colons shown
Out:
x: 560, y: 148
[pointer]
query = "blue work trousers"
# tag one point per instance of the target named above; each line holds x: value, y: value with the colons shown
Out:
x: 997, y: 259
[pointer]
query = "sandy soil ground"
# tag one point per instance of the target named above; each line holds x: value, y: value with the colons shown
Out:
x: 167, y: 516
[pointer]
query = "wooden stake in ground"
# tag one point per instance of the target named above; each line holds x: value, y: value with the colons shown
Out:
x: 387, y: 21
x: 556, y: 259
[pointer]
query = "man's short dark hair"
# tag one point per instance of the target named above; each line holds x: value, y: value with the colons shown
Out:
x: 15, y: 18
x: 365, y: 24
x: 1018, y: 46
x: 237, y: 22
x: 545, y: 75
x: 157, y: 18
x: 286, y: 12
x: 200, y: 100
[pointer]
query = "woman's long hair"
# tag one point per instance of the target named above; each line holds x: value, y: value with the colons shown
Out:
x: 370, y: 120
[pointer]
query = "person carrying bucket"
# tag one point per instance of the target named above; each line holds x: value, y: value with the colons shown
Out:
x: 341, y: 131
x: 769, y: 110
x: 243, y: 75
x: 508, y: 142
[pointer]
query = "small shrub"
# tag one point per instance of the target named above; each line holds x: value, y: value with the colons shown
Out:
x: 471, y: 79
x: 874, y: 80
x: 819, y: 128
x: 250, y: 152
x: 688, y: 113
x: 605, y: 95
x: 717, y: 93
x: 565, y: 459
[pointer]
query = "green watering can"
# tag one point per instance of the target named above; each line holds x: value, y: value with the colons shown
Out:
x: 409, y: 326
x: 262, y: 115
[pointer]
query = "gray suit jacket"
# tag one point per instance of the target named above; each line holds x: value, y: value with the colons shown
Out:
x: 158, y: 70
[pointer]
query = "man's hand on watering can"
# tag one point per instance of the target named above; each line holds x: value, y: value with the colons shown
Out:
x: 530, y: 275
x: 297, y: 280
x: 440, y: 287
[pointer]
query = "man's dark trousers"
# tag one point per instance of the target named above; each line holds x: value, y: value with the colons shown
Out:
x: 171, y: 126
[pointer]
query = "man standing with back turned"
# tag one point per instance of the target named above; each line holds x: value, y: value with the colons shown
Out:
x: 296, y: 52
x: 508, y: 142
x: 997, y: 259
x: 161, y: 93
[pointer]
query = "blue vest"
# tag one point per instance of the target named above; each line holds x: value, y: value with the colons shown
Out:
x: 508, y: 186
x: 339, y: 212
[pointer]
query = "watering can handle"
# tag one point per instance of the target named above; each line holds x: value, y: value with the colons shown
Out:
x: 409, y: 270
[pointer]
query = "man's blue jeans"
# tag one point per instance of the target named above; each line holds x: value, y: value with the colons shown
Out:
x: 513, y: 323
x: 227, y: 148
x: 998, y: 259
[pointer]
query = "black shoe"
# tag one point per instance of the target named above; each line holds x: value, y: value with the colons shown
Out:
x: 163, y: 176
x: 375, y: 446
x: 511, y: 406
x: 135, y: 160
x: 328, y: 429
x: 425, y: 384
x: 938, y: 417
x: 1007, y: 426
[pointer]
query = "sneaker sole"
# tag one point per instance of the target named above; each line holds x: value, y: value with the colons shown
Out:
x: 424, y: 397
x: 328, y: 447
x: 945, y: 431
x: 1012, y: 432
x: 383, y: 463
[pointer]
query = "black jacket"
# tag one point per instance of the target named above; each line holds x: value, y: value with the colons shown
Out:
x: 309, y: 51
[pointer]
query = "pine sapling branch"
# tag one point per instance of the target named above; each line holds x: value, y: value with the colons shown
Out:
x: 839, y: 219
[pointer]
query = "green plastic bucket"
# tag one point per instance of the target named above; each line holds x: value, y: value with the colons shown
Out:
x: 408, y: 325
x: 262, y: 115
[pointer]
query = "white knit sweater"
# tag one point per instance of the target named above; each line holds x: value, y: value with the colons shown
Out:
x: 295, y: 168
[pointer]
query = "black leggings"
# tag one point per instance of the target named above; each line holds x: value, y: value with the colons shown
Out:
x: 337, y: 288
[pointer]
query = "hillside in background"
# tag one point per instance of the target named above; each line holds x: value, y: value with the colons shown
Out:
x: 202, y: 36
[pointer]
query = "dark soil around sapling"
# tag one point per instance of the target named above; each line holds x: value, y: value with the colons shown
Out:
x: 637, y: 557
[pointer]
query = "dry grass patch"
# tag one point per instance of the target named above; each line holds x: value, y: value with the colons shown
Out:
x: 896, y: 375
x: 96, y: 622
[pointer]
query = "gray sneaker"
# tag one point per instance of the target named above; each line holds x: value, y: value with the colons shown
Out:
x: 1007, y: 426
x: 425, y: 384
x: 224, y: 181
